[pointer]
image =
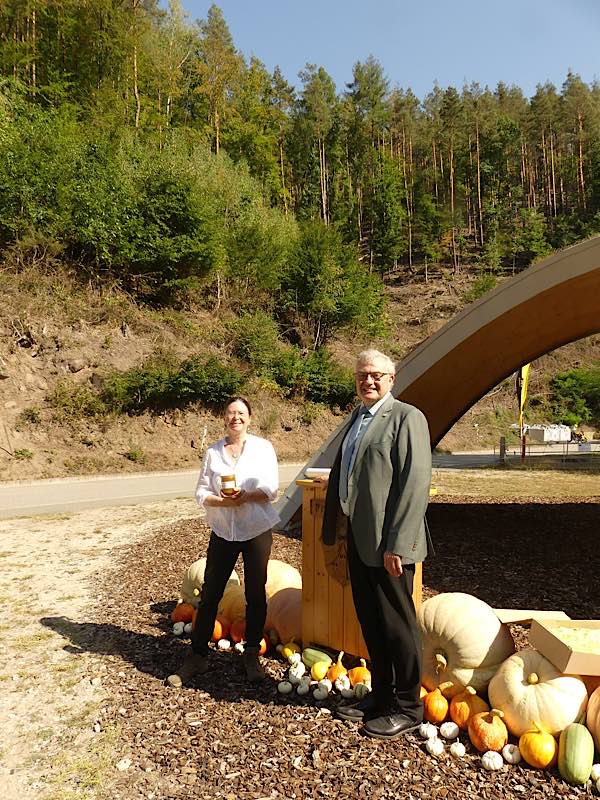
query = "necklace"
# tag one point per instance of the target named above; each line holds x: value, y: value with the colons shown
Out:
x: 235, y: 451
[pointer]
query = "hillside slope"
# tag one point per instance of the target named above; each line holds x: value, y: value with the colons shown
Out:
x: 56, y: 334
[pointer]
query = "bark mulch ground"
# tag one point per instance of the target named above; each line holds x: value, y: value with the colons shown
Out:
x: 223, y: 739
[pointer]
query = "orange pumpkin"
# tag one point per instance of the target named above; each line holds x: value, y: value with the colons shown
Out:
x: 593, y: 717
x: 592, y: 682
x: 264, y: 646
x: 183, y: 612
x: 487, y: 731
x: 450, y: 689
x: 359, y: 674
x: 221, y: 628
x: 464, y: 705
x: 284, y: 614
x: 237, y: 632
x: 435, y: 706
x: 337, y: 668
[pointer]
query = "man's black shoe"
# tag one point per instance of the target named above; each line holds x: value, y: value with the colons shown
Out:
x: 390, y: 726
x: 369, y: 706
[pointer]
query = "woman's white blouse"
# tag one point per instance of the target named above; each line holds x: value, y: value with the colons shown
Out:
x: 256, y: 468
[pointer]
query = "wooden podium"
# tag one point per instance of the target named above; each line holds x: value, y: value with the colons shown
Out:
x: 328, y: 616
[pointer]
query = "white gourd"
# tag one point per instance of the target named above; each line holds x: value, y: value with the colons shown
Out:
x: 463, y: 640
x: 598, y: 785
x: 295, y: 658
x: 284, y: 687
x: 342, y: 682
x: 458, y: 749
x: 325, y: 683
x: 434, y: 746
x: 449, y: 730
x: 492, y: 761
x: 296, y: 672
x: 178, y: 628
x: 511, y: 753
x: 239, y: 647
x: 427, y: 730
x: 527, y: 687
x: 223, y: 644
x: 595, y: 773
x: 187, y: 628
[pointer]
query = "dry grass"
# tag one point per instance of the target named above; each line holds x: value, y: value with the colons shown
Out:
x: 499, y: 484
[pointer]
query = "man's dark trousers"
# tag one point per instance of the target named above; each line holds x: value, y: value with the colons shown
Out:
x: 386, y: 613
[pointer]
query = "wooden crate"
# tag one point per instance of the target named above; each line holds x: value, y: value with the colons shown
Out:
x: 328, y: 616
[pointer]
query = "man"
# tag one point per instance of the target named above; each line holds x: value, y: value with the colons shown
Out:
x: 380, y: 482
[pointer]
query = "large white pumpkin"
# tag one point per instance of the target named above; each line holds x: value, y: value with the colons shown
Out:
x: 529, y: 689
x: 463, y: 641
x: 193, y: 578
x: 281, y: 576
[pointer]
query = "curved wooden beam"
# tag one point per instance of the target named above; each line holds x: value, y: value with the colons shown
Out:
x: 548, y: 305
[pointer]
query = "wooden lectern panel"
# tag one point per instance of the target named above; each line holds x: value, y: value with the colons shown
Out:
x: 328, y: 616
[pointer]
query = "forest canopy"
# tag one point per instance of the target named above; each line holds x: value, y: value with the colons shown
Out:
x: 144, y: 148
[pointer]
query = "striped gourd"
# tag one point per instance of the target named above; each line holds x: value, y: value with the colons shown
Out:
x: 575, y: 753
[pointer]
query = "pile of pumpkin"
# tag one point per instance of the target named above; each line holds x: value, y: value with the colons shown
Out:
x: 474, y: 682
x: 284, y: 607
x: 313, y: 671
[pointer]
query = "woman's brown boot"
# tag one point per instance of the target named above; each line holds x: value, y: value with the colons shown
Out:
x: 194, y: 664
x: 254, y: 671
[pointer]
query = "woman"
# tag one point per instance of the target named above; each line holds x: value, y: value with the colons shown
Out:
x: 241, y: 521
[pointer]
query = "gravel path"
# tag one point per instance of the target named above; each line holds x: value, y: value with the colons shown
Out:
x: 87, y: 644
x: 224, y: 739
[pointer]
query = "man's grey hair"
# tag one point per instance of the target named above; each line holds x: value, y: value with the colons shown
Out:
x: 368, y: 356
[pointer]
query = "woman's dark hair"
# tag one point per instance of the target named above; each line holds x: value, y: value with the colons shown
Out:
x: 237, y: 399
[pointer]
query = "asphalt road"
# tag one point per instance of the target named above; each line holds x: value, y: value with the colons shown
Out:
x: 75, y: 494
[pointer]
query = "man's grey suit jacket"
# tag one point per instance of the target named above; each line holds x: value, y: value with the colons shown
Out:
x: 388, y: 489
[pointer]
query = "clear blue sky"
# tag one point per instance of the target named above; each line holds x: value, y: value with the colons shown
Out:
x: 453, y: 42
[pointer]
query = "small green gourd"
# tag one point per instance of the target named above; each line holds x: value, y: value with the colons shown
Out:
x: 310, y: 656
x: 575, y: 754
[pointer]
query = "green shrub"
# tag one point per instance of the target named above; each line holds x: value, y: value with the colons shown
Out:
x: 162, y: 382
x: 255, y: 339
x: 208, y: 382
x: 575, y: 396
x: 482, y: 284
x: 74, y: 402
x: 30, y: 415
x: 310, y: 412
x: 148, y: 386
x: 289, y: 371
x: 136, y: 454
x: 327, y: 382
x: 23, y: 453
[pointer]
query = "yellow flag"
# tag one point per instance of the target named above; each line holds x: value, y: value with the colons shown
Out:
x: 522, y: 384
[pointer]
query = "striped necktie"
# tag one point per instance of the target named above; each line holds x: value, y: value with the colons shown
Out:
x: 356, y: 433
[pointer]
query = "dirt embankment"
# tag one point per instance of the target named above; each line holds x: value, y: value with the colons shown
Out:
x: 54, y: 333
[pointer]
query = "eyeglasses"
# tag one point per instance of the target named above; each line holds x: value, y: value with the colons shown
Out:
x: 377, y: 376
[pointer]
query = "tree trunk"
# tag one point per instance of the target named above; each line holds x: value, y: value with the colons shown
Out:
x: 323, y: 181
x: 282, y: 168
x: 479, y: 202
x: 580, y: 175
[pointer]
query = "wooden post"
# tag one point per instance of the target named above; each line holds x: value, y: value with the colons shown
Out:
x: 328, y: 615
